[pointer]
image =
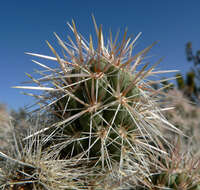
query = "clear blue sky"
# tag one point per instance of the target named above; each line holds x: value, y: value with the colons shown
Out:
x: 25, y: 25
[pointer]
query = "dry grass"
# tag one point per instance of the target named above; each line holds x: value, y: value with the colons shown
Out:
x: 5, y: 128
x: 186, y: 117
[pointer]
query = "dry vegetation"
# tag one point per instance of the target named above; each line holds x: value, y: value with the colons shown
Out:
x: 5, y: 128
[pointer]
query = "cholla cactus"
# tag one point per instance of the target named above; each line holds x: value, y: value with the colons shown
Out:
x: 179, y: 170
x: 180, y: 81
x: 29, y: 168
x: 192, y: 89
x: 105, y: 110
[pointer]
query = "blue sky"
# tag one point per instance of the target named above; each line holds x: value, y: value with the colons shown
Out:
x: 25, y: 25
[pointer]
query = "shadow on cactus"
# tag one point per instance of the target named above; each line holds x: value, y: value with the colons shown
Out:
x: 105, y: 110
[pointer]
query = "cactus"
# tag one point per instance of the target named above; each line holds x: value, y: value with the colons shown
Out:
x: 180, y: 81
x: 190, y: 80
x: 188, y: 86
x: 106, y: 119
x: 30, y: 168
x: 189, y: 52
x: 193, y: 77
x: 179, y: 170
